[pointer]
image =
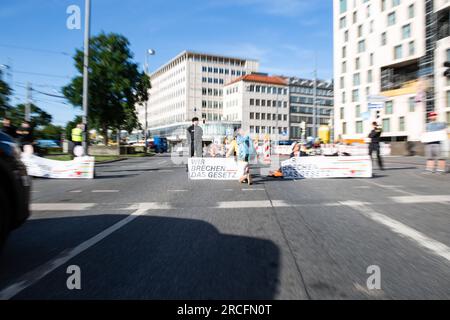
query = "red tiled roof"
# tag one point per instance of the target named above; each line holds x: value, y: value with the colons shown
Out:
x: 260, y: 79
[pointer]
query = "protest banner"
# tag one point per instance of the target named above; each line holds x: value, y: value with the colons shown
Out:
x: 354, y: 150
x: 79, y: 168
x: 327, y: 167
x: 213, y: 169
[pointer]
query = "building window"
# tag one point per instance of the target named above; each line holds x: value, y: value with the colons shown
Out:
x: 346, y: 36
x: 342, y: 113
x: 358, y: 111
x: 342, y: 6
x: 401, y: 124
x: 387, y: 125
x: 395, y: 3
x: 360, y: 31
x: 369, y: 76
x: 344, y: 67
x: 406, y: 31
x: 359, y: 127
x: 343, y: 23
x: 412, y: 104
x: 383, y: 39
x: 361, y: 46
x: 389, y: 107
x: 371, y: 59
x: 343, y: 97
x: 344, y: 52
x: 383, y: 5
x: 391, y: 19
x: 357, y: 63
x: 355, y: 95
x: 412, y: 48
x: 411, y: 11
x: 344, y: 128
x: 252, y: 102
x: 252, y: 115
x: 448, y: 101
x: 398, y: 52
x: 356, y: 79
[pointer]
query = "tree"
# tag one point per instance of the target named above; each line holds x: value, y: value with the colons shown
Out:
x: 38, y: 117
x: 50, y: 132
x: 115, y: 84
x: 5, y: 92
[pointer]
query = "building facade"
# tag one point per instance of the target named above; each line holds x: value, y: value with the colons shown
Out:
x: 191, y: 84
x: 301, y: 99
x: 260, y: 103
x: 389, y: 51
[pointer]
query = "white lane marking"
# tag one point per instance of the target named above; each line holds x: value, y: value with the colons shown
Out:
x: 162, y: 162
x: 422, y: 199
x: 253, y: 190
x: 39, y: 273
x: 61, y: 206
x: 150, y: 206
x: 361, y: 187
x: 392, y: 188
x: 419, y: 238
x: 251, y: 204
x: 105, y: 191
x: 76, y: 191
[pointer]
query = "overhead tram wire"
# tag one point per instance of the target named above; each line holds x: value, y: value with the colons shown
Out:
x: 43, y: 74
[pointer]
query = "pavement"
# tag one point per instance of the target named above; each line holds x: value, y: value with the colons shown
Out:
x: 143, y: 230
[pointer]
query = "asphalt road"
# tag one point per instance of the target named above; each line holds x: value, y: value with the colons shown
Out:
x: 143, y: 230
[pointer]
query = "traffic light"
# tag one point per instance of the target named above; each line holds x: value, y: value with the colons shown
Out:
x: 378, y: 114
x: 447, y: 71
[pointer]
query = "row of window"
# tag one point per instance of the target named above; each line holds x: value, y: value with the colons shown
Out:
x: 386, y: 125
x: 268, y: 130
x: 212, y: 104
x: 388, y: 109
x: 308, y: 110
x: 310, y: 91
x: 268, y: 103
x: 224, y: 71
x: 269, y: 116
x: 212, y: 80
x: 306, y: 100
x: 212, y: 92
x: 268, y: 90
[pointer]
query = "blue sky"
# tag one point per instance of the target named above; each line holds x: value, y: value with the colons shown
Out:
x: 283, y: 34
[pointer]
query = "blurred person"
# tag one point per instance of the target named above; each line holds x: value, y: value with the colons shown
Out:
x: 77, y: 135
x: 25, y: 135
x: 375, y: 136
x: 8, y: 128
x: 195, y: 139
x: 433, y: 148
x: 242, y: 147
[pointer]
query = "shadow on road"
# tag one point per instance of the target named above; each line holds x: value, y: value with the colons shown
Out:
x: 150, y: 258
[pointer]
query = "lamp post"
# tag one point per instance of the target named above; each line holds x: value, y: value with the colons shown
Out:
x: 87, y: 32
x: 149, y: 52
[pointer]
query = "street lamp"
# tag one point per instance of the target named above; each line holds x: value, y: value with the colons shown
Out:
x: 149, y: 52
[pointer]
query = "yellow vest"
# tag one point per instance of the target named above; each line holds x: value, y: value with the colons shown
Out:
x: 77, y: 135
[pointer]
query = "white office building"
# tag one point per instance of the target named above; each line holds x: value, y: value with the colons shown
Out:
x: 191, y: 84
x: 260, y: 103
x: 390, y: 51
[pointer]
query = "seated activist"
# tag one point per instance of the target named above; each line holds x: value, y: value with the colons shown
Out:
x: 298, y: 150
x: 242, y: 147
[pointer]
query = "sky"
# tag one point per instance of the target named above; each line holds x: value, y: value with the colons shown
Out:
x: 284, y: 35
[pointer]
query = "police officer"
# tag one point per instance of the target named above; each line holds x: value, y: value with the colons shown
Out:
x: 77, y: 135
x: 375, y: 136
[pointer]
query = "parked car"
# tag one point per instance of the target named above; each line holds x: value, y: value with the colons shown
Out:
x: 160, y: 144
x: 15, y: 185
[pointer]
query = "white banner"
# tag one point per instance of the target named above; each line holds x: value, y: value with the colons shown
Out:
x: 327, y: 167
x: 79, y: 168
x: 355, y: 150
x: 213, y: 169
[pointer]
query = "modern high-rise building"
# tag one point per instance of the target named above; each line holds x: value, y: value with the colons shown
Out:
x: 389, y: 66
x: 260, y: 103
x: 191, y: 84
x: 301, y: 96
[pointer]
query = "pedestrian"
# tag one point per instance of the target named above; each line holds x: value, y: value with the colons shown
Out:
x: 375, y: 137
x: 8, y: 128
x: 243, y: 147
x: 25, y: 135
x: 435, y: 134
x: 195, y: 139
x: 77, y: 135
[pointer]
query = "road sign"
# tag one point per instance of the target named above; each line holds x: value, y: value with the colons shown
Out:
x: 375, y: 105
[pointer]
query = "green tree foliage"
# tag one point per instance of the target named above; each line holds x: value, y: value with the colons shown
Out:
x: 5, y: 92
x: 115, y: 84
x: 38, y: 117
x: 50, y: 132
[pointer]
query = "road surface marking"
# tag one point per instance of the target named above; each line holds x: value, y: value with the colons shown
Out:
x: 419, y: 238
x: 392, y: 188
x: 76, y: 191
x: 361, y: 187
x: 105, y: 191
x: 61, y: 206
x: 150, y: 206
x: 162, y: 162
x: 253, y: 190
x: 251, y: 204
x: 422, y: 199
x: 64, y: 257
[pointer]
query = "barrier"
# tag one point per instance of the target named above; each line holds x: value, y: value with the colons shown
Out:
x: 267, y: 151
x: 327, y: 167
x: 79, y: 168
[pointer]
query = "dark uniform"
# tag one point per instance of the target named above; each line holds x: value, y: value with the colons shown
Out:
x: 375, y: 136
x: 10, y: 130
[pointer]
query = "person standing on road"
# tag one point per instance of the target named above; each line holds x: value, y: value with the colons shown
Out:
x: 195, y: 139
x: 25, y: 135
x: 375, y: 136
x: 243, y: 147
x: 435, y: 134
x: 8, y: 128
x: 77, y: 135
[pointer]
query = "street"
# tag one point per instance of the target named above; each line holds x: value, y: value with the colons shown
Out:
x: 143, y: 230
